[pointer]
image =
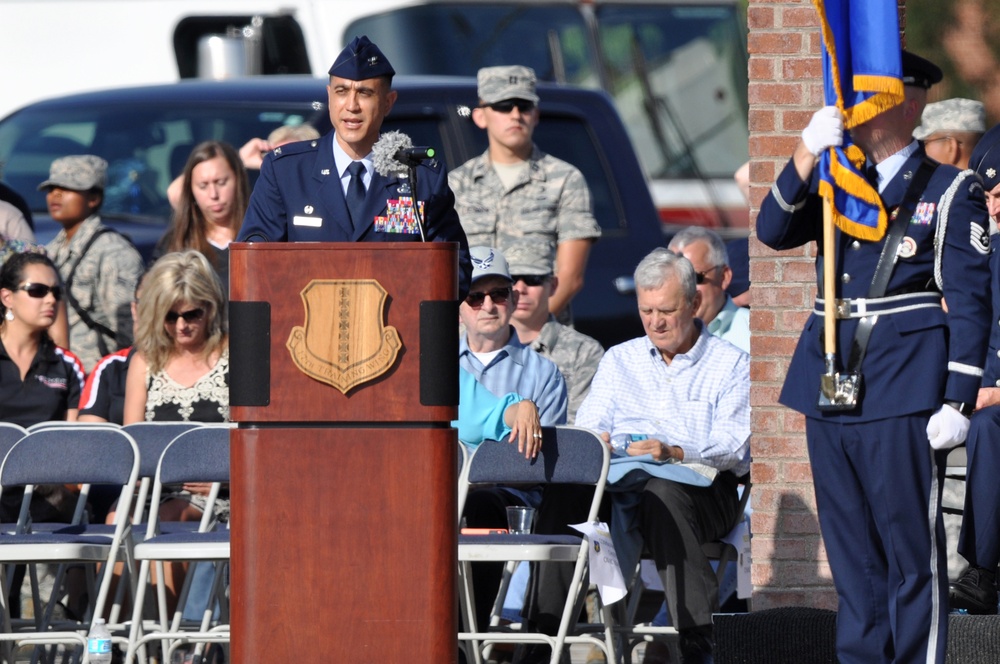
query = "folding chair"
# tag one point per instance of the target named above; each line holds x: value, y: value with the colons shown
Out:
x: 58, y: 424
x: 720, y: 551
x: 66, y: 455
x: 570, y: 455
x: 198, y: 455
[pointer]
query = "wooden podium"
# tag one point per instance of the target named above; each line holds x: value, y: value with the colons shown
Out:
x: 344, y: 381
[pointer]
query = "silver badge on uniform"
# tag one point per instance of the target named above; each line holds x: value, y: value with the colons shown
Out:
x: 325, y: 171
x: 308, y: 209
x: 907, y: 248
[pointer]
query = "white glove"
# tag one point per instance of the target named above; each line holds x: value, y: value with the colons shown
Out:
x: 826, y: 128
x: 947, y: 428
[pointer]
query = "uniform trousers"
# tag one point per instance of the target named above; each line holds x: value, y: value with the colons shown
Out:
x: 979, y: 540
x: 878, y: 494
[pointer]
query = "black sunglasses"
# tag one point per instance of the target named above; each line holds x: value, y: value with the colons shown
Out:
x: 701, y: 277
x: 188, y: 316
x: 475, y: 299
x: 508, y: 105
x: 530, y: 279
x: 41, y: 290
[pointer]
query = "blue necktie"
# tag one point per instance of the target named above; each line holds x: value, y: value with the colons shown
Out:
x: 356, y: 193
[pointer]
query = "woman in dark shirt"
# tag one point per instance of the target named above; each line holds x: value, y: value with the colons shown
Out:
x: 39, y: 381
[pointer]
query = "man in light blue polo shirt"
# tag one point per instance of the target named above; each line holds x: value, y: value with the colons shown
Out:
x: 707, y: 253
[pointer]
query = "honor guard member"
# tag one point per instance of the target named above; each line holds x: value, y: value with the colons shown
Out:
x: 878, y: 460
x: 950, y: 130
x: 979, y: 540
x: 327, y: 190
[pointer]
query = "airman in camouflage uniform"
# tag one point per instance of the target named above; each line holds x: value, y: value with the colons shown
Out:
x: 99, y: 265
x: 950, y: 130
x: 576, y: 354
x: 514, y: 196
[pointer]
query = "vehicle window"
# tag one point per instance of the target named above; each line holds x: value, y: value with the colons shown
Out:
x: 551, y: 39
x: 678, y: 76
x: 146, y: 146
x: 569, y: 139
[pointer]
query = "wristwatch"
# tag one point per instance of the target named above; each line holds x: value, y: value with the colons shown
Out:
x: 962, y: 407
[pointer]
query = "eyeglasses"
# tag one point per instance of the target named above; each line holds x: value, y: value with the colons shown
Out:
x: 188, y: 316
x: 701, y: 277
x: 41, y: 290
x: 530, y: 279
x: 475, y: 299
x: 508, y: 105
x: 942, y: 138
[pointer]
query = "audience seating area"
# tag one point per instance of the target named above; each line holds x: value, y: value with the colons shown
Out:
x: 139, y: 460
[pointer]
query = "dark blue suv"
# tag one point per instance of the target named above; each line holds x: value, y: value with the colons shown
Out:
x: 146, y: 134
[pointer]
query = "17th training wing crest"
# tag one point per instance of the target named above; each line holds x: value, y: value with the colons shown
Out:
x: 343, y: 342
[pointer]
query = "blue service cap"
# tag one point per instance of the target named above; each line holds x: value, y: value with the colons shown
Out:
x: 361, y: 60
x: 985, y: 159
x: 919, y: 72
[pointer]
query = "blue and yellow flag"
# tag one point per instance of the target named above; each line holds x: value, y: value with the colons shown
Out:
x: 862, y: 76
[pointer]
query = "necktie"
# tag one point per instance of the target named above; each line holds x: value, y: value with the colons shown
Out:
x: 356, y: 193
x: 871, y: 174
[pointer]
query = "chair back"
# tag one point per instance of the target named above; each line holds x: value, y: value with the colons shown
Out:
x: 569, y: 455
x: 198, y: 455
x: 72, y: 455
x: 58, y: 424
x: 10, y: 433
x: 152, y: 438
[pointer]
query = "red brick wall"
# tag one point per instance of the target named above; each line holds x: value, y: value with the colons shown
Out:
x: 786, y: 87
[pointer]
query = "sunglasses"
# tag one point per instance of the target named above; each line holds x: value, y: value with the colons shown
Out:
x: 475, y: 299
x: 508, y: 105
x: 41, y: 290
x: 188, y: 316
x: 530, y: 279
x: 702, y: 277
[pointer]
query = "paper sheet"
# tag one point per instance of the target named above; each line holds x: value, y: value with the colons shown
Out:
x: 605, y: 572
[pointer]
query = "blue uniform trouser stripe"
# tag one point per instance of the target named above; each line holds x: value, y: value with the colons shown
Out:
x: 979, y: 541
x: 878, y: 497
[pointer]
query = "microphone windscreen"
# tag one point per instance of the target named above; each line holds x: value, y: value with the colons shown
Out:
x: 384, y: 152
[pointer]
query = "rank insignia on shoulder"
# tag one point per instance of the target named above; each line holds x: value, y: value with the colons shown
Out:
x: 979, y: 238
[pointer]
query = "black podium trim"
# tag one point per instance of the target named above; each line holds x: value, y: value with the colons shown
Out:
x: 439, y: 353
x: 249, y: 353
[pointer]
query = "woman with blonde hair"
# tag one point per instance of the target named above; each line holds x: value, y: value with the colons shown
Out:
x: 180, y: 370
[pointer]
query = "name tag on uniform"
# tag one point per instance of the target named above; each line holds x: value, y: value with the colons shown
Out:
x: 313, y: 222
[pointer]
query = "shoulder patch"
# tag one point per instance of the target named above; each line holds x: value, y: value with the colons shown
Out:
x: 979, y: 238
x: 298, y: 147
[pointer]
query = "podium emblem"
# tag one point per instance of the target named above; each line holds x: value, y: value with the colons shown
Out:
x: 343, y: 342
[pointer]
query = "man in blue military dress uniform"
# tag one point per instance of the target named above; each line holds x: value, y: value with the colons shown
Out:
x: 877, y: 466
x: 328, y: 190
x: 979, y: 540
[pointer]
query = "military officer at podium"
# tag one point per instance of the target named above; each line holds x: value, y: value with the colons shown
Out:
x: 327, y: 190
x: 877, y: 460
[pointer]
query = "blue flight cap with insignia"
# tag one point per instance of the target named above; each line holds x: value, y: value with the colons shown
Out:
x: 985, y: 159
x: 920, y: 72
x: 361, y: 60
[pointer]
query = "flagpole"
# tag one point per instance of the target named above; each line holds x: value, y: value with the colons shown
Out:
x: 829, y: 274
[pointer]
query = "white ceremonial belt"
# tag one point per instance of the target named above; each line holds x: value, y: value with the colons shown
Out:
x: 883, y: 306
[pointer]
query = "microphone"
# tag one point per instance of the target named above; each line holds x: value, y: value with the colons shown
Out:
x: 385, y: 150
x: 413, y: 156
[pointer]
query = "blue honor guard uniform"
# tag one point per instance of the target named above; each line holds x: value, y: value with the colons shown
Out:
x: 877, y: 479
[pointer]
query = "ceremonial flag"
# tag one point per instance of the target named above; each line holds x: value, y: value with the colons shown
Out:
x: 862, y: 76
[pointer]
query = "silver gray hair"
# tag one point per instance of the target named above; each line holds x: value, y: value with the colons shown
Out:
x: 718, y: 256
x: 661, y: 264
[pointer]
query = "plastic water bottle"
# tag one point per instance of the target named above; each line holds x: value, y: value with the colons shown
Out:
x: 620, y: 442
x: 99, y: 643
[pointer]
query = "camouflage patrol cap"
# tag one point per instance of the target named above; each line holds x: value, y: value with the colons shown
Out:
x: 985, y: 159
x: 966, y: 115
x: 488, y: 262
x: 361, y: 60
x: 81, y: 172
x: 506, y: 82
x: 522, y: 260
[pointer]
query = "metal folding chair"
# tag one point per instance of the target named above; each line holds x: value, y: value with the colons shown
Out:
x: 66, y: 455
x: 198, y: 455
x: 569, y: 455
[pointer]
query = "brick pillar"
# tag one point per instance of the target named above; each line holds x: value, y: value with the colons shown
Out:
x: 786, y: 87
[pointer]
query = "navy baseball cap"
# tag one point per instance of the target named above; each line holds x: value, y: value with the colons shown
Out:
x: 361, y: 60
x: 985, y: 159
